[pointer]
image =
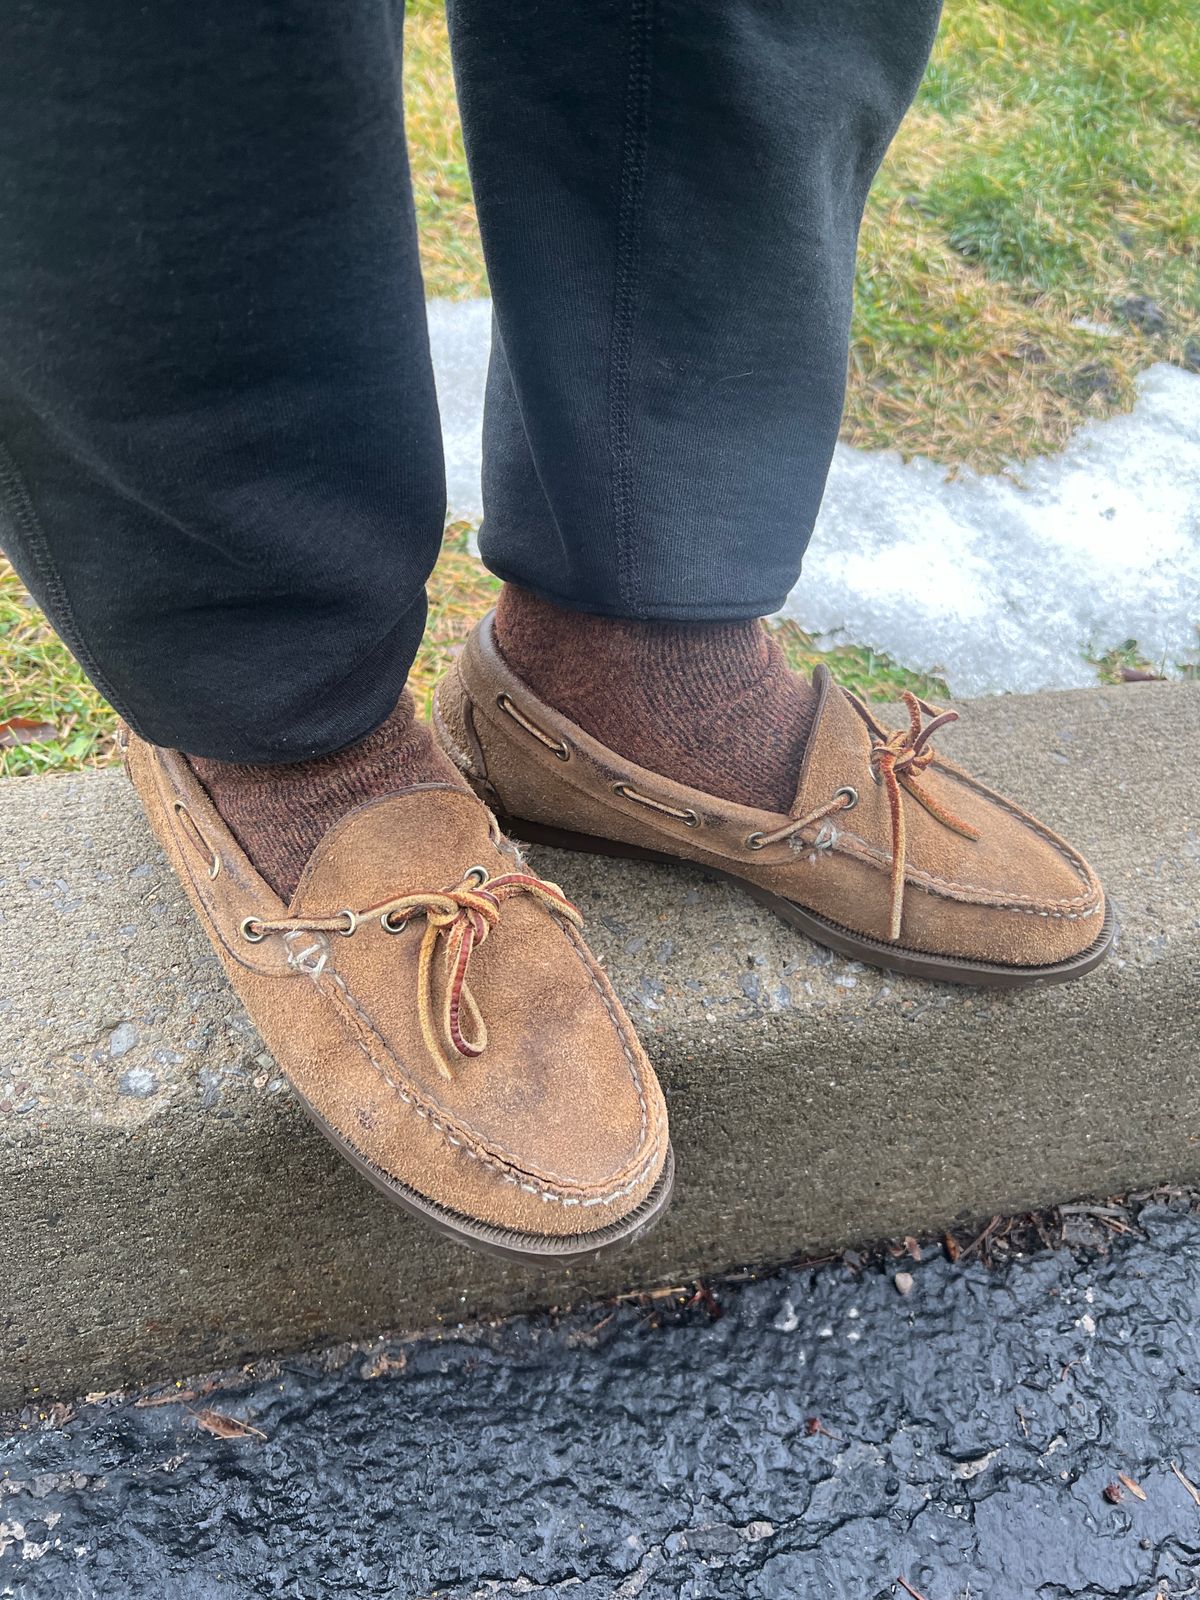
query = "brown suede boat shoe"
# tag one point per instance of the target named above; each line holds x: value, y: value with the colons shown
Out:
x: 438, y: 1014
x: 890, y: 854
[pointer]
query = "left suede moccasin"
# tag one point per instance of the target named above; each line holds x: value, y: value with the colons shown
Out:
x: 438, y: 1014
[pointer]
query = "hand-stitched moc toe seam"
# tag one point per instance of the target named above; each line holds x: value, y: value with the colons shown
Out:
x: 471, y: 1141
x: 969, y: 893
x: 1081, y: 913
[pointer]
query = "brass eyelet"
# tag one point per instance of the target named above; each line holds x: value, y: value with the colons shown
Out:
x: 252, y: 930
x: 754, y: 841
x: 851, y: 794
x: 390, y: 926
x: 351, y: 922
x: 480, y: 874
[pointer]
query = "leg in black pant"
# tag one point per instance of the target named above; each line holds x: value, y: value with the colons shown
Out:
x: 670, y: 193
x: 221, y: 456
x: 220, y: 451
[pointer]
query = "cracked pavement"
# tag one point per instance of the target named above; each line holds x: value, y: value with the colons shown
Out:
x: 814, y: 1433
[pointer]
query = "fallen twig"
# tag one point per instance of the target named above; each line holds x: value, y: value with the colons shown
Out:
x: 1187, y: 1484
x: 981, y: 1240
x: 908, y: 1589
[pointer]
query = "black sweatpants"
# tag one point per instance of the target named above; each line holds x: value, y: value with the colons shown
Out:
x: 220, y: 461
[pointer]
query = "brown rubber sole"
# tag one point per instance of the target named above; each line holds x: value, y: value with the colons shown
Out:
x: 858, y: 946
x: 510, y: 1244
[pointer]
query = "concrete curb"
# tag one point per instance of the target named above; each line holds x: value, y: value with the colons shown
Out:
x: 164, y: 1206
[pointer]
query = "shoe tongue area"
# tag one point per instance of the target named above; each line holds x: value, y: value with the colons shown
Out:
x: 826, y: 690
x: 418, y: 841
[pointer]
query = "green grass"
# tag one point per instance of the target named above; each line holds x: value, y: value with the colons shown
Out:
x: 450, y: 253
x: 40, y: 680
x: 866, y: 672
x: 1128, y: 663
x: 1048, y: 174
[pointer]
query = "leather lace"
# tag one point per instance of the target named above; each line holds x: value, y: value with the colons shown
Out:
x: 458, y: 919
x: 900, y: 758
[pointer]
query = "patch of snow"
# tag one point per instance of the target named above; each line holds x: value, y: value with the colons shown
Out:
x: 1005, y: 582
x: 460, y: 335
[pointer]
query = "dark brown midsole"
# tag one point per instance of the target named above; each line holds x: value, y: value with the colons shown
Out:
x: 857, y: 946
x: 510, y: 1244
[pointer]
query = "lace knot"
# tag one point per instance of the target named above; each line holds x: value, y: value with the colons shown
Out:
x: 900, y: 758
x: 459, y: 919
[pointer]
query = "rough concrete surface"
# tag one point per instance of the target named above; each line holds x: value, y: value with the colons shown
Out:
x: 164, y: 1206
x: 811, y: 1436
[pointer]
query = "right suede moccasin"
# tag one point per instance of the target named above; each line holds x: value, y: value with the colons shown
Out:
x: 890, y: 853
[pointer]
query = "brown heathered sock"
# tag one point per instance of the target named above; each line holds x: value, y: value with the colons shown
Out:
x: 712, y: 705
x: 278, y: 814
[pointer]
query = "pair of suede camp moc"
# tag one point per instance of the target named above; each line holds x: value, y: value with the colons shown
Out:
x: 439, y: 1014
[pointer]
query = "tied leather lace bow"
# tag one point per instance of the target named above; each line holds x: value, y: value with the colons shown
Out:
x: 460, y: 918
x: 899, y: 758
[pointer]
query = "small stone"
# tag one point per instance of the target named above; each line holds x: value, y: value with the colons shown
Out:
x: 787, y: 1320
x: 139, y: 1082
x: 122, y: 1039
x: 903, y: 1282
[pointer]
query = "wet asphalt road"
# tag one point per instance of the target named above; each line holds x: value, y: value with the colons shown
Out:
x: 812, y: 1434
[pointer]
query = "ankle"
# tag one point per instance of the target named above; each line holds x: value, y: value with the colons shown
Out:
x: 279, y: 814
x: 709, y: 704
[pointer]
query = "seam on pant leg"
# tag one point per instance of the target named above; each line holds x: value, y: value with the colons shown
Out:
x: 15, y: 496
x: 628, y: 264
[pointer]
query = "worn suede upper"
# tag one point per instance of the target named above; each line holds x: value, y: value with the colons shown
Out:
x: 557, y: 1128
x: 1005, y: 890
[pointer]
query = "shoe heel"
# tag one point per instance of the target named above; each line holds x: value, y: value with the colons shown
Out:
x: 468, y: 762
